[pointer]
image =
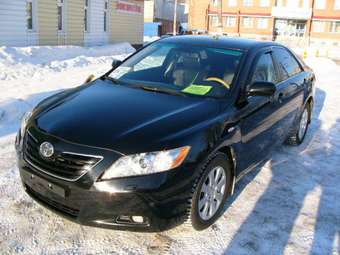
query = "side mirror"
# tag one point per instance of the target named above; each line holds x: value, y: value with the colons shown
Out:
x: 261, y: 88
x: 116, y: 63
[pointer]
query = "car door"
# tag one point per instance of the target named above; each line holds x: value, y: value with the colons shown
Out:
x: 289, y: 91
x: 259, y: 123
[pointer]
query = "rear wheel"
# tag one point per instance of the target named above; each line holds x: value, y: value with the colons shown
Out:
x: 211, y: 192
x: 299, y: 135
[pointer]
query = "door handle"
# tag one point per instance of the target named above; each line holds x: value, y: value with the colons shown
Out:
x: 294, y: 85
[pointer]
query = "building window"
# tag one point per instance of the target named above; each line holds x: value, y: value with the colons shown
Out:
x: 335, y: 27
x: 86, y: 16
x: 292, y: 3
x: 29, y: 14
x: 106, y: 4
x: 262, y: 23
x: 337, y: 5
x: 264, y: 3
x: 60, y: 5
x: 215, y: 21
x: 305, y: 4
x: 320, y: 4
x: 232, y: 3
x: 230, y: 21
x: 279, y: 3
x: 216, y: 3
x: 319, y: 26
x: 248, y: 3
x: 248, y: 22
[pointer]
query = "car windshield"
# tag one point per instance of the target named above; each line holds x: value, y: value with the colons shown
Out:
x: 181, y: 69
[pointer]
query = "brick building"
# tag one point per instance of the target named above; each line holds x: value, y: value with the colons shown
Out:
x: 301, y: 19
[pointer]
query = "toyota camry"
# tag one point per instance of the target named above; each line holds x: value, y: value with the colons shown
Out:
x: 165, y: 135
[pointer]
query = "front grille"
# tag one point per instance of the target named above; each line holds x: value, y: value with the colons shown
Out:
x: 64, y: 165
x: 71, y: 212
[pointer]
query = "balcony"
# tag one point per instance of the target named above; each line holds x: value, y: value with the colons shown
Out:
x: 292, y: 13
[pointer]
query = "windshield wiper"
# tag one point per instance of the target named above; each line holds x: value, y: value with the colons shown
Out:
x: 113, y: 80
x: 152, y: 89
x: 158, y: 90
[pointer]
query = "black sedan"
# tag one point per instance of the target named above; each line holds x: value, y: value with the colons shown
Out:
x: 164, y: 137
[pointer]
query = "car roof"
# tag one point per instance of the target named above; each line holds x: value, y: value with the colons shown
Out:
x: 218, y: 42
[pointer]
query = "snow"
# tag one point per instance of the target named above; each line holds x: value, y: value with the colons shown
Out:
x: 29, y: 74
x: 151, y: 31
x: 312, y: 51
x: 289, y: 205
x: 148, y: 39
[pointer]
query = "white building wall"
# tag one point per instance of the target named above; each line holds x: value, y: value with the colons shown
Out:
x: 149, y: 10
x: 13, y: 27
x: 96, y: 34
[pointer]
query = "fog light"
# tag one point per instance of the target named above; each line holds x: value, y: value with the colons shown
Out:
x: 138, y: 219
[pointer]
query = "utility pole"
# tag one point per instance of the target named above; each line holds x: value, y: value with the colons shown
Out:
x: 311, y: 23
x: 238, y: 22
x: 175, y: 19
x: 221, y: 15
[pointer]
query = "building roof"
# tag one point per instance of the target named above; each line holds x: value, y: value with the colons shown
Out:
x: 218, y: 41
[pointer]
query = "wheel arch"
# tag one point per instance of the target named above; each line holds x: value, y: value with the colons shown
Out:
x: 229, y: 151
x: 310, y: 102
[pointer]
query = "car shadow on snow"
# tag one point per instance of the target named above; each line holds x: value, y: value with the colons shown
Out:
x: 296, y: 172
x: 12, y: 111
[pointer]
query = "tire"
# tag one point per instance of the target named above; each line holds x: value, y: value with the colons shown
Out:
x: 300, y: 131
x: 217, y: 167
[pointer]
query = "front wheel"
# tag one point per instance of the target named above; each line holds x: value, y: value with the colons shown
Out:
x: 211, y: 192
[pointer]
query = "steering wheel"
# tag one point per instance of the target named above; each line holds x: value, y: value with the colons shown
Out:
x: 218, y: 80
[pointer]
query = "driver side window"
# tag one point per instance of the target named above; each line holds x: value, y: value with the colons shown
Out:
x: 265, y: 70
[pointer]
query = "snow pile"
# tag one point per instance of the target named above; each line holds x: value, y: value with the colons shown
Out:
x: 42, y: 55
x: 148, y: 39
x: 57, y: 58
x: 30, y: 74
x: 289, y: 205
x: 37, y: 69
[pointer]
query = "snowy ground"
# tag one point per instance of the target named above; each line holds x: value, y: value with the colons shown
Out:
x: 289, y: 205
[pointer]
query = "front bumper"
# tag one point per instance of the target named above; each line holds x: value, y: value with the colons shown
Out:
x: 105, y: 208
x: 161, y: 199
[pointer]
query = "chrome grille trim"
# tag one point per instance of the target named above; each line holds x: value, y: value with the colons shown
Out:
x: 99, y: 158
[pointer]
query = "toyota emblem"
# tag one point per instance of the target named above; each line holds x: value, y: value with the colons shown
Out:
x: 46, y: 150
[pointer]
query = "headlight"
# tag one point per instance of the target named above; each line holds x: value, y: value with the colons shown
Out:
x: 24, y: 121
x: 146, y: 163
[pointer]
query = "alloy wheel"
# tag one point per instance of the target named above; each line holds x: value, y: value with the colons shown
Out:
x: 212, y: 193
x: 303, y: 124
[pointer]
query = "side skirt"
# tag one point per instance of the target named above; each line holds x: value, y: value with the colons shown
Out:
x: 247, y: 170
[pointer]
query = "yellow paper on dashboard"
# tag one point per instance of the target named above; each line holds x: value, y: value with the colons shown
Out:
x: 200, y: 90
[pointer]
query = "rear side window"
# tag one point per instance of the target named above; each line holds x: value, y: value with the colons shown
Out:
x: 264, y: 70
x: 287, y: 64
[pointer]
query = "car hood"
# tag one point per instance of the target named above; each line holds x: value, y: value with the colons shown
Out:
x: 121, y: 118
